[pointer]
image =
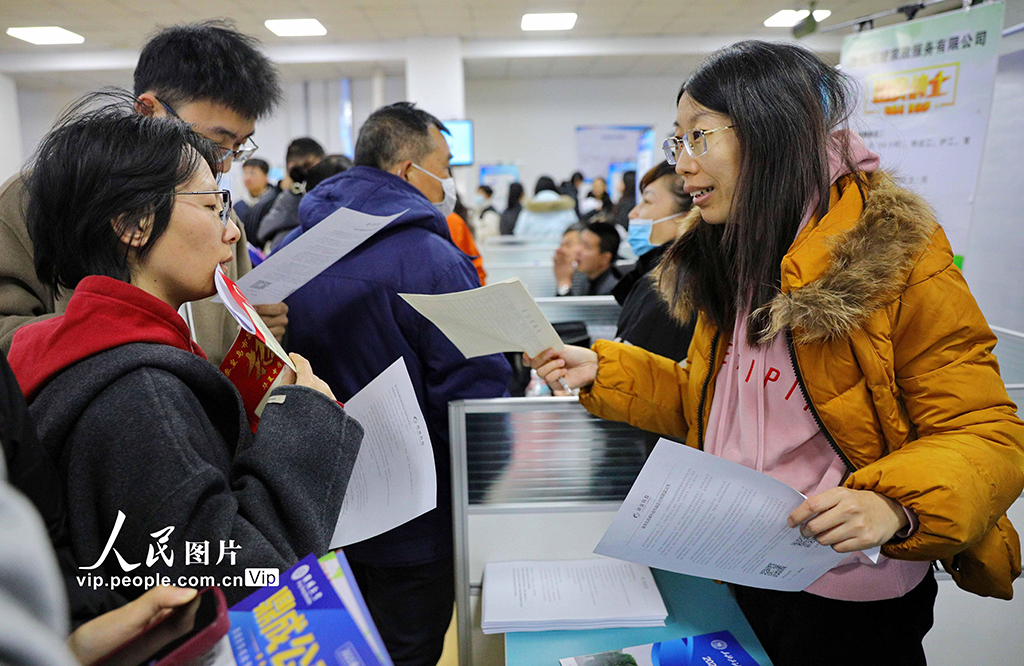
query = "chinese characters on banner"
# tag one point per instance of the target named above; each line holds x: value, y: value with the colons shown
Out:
x: 926, y: 91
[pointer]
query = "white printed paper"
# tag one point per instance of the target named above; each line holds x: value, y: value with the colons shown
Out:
x: 286, y: 270
x: 697, y: 514
x: 394, y: 479
x: 501, y: 317
x: 569, y: 594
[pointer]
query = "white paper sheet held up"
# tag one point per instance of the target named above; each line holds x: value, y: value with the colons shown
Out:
x: 308, y: 255
x: 501, y: 317
x: 393, y: 480
x: 697, y: 514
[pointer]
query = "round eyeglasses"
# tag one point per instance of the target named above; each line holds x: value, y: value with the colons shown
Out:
x: 695, y: 141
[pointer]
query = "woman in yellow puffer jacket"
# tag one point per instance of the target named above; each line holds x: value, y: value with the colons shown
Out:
x: 837, y: 348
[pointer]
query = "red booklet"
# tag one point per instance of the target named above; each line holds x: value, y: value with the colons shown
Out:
x: 256, y: 359
x: 255, y: 370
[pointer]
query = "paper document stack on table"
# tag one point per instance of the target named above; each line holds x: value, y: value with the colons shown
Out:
x: 569, y: 594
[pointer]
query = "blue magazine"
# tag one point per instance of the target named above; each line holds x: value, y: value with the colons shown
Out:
x: 717, y: 649
x: 303, y: 622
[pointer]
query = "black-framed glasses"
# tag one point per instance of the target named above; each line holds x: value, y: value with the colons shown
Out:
x: 694, y: 141
x: 225, y: 203
x: 247, y: 149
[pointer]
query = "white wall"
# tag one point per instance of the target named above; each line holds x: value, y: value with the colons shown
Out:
x: 970, y: 629
x: 532, y: 122
x: 994, y: 263
x: 10, y: 138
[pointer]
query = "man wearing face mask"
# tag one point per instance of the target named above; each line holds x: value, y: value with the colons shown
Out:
x: 352, y: 323
x: 664, y: 212
x: 303, y: 154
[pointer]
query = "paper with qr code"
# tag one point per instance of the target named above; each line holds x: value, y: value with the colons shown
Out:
x: 700, y: 515
x: 289, y: 268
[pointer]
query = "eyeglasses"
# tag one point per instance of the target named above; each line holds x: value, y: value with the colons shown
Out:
x: 695, y: 141
x: 247, y: 150
x: 225, y: 203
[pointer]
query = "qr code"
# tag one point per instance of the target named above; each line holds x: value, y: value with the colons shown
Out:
x: 260, y: 284
x: 773, y: 570
x: 804, y: 542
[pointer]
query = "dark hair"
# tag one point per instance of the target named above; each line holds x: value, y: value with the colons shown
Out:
x: 329, y: 166
x: 208, y: 61
x: 103, y: 171
x: 783, y: 102
x: 629, y: 182
x: 545, y: 183
x: 395, y: 133
x: 257, y: 163
x: 576, y: 177
x: 608, y: 235
x: 575, y: 226
x: 303, y: 147
x: 515, y: 194
x: 486, y: 189
x: 462, y: 211
x: 676, y: 188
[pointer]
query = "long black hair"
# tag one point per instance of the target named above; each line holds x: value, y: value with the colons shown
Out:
x: 515, y: 194
x: 102, y: 171
x: 784, y: 103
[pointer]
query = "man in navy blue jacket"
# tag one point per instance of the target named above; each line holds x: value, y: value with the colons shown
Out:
x: 351, y: 324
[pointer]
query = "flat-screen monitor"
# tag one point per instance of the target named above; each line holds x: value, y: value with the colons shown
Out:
x: 460, y: 141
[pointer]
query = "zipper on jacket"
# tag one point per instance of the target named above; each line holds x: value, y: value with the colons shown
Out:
x: 814, y: 411
x: 704, y: 391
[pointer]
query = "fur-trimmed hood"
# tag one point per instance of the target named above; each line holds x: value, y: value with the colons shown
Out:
x: 548, y: 201
x: 848, y: 268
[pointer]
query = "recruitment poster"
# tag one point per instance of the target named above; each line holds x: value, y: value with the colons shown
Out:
x: 926, y: 91
x: 600, y: 146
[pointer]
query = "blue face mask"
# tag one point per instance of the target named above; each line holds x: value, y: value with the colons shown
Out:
x: 640, y: 234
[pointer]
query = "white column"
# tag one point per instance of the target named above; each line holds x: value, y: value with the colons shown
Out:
x: 377, y: 84
x: 10, y: 129
x: 434, y: 78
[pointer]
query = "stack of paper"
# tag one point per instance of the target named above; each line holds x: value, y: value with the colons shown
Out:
x: 569, y: 594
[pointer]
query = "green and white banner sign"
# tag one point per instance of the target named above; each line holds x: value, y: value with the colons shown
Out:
x: 926, y: 92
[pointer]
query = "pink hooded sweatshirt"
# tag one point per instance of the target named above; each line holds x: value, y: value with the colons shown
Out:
x: 760, y: 418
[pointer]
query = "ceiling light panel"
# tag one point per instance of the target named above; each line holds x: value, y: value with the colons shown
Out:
x: 548, y: 21
x: 296, y: 27
x: 787, y: 18
x: 50, y: 34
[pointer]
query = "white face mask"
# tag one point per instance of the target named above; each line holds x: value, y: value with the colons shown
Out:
x: 446, y: 205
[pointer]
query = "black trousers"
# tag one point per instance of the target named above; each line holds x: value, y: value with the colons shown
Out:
x: 798, y: 628
x: 411, y: 606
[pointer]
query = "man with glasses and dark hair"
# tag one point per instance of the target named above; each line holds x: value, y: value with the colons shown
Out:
x: 207, y: 75
x: 352, y: 321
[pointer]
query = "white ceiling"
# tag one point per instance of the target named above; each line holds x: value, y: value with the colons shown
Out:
x: 119, y: 27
